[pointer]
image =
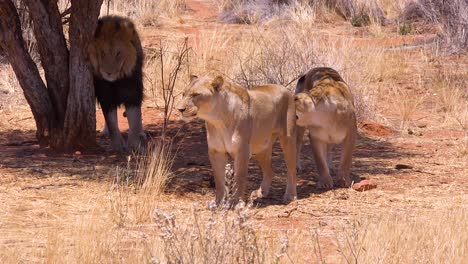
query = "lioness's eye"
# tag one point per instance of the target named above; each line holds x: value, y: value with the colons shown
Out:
x: 195, y: 94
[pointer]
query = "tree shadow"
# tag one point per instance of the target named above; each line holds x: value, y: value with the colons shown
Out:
x: 19, y: 151
x: 372, y: 156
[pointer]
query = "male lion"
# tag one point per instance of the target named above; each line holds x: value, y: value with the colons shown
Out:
x: 324, y: 105
x: 241, y: 122
x: 116, y: 57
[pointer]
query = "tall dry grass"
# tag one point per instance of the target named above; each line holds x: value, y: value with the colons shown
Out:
x: 450, y: 90
x: 281, y: 54
x: 146, y: 12
x: 451, y: 15
x: 429, y: 237
x: 200, y: 235
x: 258, y: 11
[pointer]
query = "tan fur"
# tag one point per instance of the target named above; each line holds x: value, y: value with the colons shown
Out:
x: 241, y: 122
x: 324, y: 106
x: 115, y: 48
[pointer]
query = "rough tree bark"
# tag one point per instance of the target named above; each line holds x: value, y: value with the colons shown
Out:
x: 26, y: 71
x: 64, y: 110
x: 80, y: 119
x: 53, y: 52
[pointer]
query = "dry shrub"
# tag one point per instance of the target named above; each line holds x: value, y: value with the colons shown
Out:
x: 250, y: 11
x: 281, y: 54
x: 257, y: 11
x: 278, y: 56
x: 452, y: 15
x: 219, y: 236
x: 145, y: 12
x: 222, y: 237
x: 167, y: 70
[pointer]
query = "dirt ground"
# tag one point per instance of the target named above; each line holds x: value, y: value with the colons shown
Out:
x: 418, y: 169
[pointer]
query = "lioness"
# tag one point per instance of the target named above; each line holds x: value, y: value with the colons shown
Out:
x: 324, y: 105
x: 116, y: 57
x: 241, y: 122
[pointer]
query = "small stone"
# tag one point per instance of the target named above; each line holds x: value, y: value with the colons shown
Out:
x: 77, y: 153
x: 364, y: 185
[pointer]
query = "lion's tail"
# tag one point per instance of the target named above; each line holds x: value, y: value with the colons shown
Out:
x: 291, y: 117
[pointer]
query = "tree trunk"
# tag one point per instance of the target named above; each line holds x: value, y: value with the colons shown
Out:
x: 65, y: 110
x: 53, y: 52
x: 80, y: 119
x: 11, y: 41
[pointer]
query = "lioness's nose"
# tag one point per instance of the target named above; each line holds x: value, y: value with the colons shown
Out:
x: 181, y: 109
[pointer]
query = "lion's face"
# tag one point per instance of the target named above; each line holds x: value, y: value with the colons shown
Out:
x: 198, y: 97
x: 304, y: 108
x: 112, y: 53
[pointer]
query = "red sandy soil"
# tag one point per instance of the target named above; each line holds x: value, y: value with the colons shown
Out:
x: 33, y: 181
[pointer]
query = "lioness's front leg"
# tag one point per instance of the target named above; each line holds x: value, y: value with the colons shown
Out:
x: 343, y: 178
x: 320, y: 149
x: 218, y: 162
x: 117, y: 141
x: 241, y: 165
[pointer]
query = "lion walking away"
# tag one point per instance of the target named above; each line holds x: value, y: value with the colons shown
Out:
x: 116, y: 57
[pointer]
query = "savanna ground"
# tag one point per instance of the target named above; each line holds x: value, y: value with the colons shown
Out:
x: 102, y: 207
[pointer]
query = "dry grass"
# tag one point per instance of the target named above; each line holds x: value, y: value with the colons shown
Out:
x: 407, y: 104
x: 450, y: 90
x: 436, y: 237
x: 282, y: 53
x: 259, y: 11
x: 451, y: 15
x: 145, y: 12
x: 199, y: 235
x: 134, y: 221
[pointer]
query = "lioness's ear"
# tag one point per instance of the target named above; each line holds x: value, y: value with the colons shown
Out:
x: 217, y: 83
x: 193, y: 78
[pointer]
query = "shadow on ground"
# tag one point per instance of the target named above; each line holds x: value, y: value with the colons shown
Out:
x: 20, y: 152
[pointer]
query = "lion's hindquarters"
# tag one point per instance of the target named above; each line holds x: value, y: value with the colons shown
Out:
x: 274, y: 116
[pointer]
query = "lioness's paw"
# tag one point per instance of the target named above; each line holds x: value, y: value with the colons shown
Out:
x: 287, y: 198
x: 325, y: 183
x: 343, y: 182
x: 258, y: 194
